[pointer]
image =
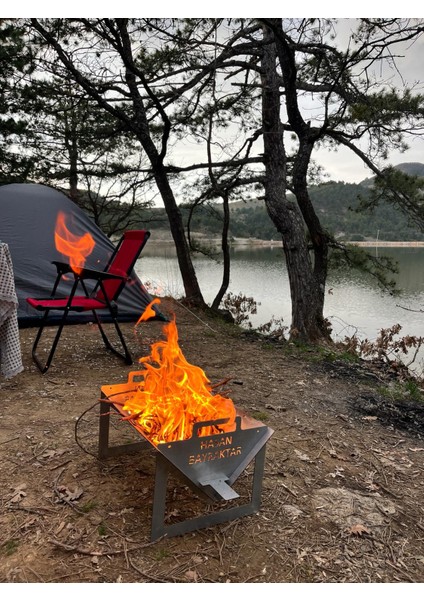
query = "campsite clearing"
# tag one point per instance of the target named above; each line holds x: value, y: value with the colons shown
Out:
x: 343, y: 488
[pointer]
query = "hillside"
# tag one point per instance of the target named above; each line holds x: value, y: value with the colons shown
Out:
x: 335, y: 203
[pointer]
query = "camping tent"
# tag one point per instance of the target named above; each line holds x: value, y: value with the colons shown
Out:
x: 28, y: 214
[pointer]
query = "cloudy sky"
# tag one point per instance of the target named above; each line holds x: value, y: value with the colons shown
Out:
x: 344, y: 165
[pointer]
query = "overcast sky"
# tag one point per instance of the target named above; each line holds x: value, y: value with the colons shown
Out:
x: 344, y: 165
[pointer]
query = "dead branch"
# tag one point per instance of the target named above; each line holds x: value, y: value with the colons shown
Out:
x: 10, y: 440
x: 157, y: 580
x: 88, y: 552
x: 36, y: 510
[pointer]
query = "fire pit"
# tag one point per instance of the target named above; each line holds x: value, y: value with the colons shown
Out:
x: 196, y: 433
x: 209, y: 464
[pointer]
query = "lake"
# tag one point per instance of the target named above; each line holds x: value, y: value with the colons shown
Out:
x: 354, y: 303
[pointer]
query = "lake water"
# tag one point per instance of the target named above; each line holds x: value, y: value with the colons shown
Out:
x: 354, y: 303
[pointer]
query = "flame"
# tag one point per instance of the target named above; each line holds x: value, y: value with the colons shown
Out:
x: 174, y: 395
x: 149, y: 312
x: 75, y: 247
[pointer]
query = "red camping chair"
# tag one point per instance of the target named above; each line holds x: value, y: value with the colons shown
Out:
x: 109, y: 284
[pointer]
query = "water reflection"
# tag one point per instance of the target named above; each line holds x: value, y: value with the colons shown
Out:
x: 354, y: 303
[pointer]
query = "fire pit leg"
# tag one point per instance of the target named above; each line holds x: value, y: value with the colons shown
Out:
x: 159, y: 529
x: 257, y: 480
x: 104, y: 422
x: 104, y: 449
x: 159, y: 498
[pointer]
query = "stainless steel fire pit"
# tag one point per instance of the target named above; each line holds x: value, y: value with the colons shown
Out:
x: 210, y: 464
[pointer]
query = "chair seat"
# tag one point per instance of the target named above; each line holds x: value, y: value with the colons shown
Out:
x: 79, y: 303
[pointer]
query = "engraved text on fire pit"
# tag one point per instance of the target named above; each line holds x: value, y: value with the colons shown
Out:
x: 214, y: 449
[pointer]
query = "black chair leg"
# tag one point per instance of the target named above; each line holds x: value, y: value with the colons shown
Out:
x: 43, y: 367
x: 126, y: 355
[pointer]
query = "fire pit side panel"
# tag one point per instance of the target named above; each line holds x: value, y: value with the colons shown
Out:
x: 216, y: 458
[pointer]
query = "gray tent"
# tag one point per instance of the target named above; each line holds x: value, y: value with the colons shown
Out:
x: 28, y: 215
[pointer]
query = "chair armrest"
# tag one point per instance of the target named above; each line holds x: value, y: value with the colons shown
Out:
x: 84, y: 273
x: 99, y: 275
x: 62, y: 267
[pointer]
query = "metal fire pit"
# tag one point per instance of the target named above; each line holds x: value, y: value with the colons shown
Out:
x: 208, y: 464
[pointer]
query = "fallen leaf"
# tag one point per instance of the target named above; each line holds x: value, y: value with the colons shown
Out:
x: 358, y: 529
x: 338, y: 472
x: 334, y: 454
x: 68, y: 495
x: 192, y: 575
x: 318, y: 559
x: 17, y: 497
x: 60, y: 528
x: 48, y: 454
x: 302, y: 456
x: 21, y: 486
x: 28, y: 523
x: 126, y: 510
x: 18, y: 493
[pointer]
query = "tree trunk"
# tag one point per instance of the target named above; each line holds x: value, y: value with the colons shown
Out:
x: 192, y: 290
x: 141, y: 128
x: 225, y: 253
x: 71, y: 144
x: 308, y: 323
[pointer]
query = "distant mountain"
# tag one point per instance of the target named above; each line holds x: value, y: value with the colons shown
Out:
x: 410, y: 168
x: 335, y: 203
x: 413, y: 168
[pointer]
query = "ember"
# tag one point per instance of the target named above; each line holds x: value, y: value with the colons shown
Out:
x: 74, y: 247
x: 174, y: 395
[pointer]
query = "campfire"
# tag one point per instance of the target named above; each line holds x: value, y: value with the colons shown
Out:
x: 197, y: 432
x: 173, y: 394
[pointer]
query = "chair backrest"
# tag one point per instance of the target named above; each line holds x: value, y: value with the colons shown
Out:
x: 122, y: 262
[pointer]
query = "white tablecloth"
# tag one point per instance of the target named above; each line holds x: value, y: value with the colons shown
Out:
x: 10, y: 346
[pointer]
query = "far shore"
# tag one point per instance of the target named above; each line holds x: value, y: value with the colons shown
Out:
x: 276, y: 243
x: 391, y: 244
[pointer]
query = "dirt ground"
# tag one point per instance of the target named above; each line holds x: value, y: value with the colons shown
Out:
x: 342, y: 491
